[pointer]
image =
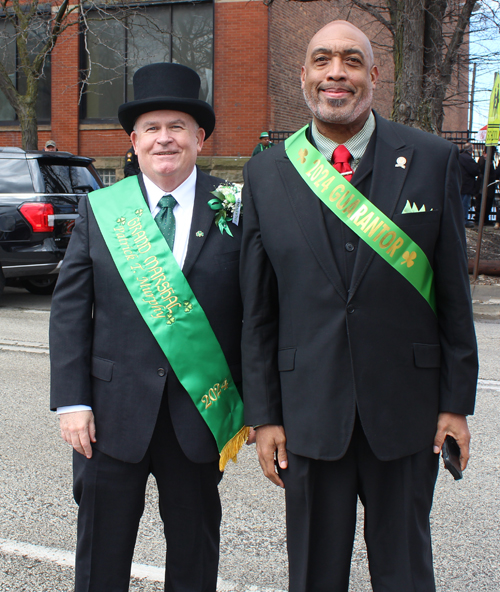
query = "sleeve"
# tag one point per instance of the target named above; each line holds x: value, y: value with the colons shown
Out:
x: 459, y: 360
x: 70, y: 332
x: 261, y: 382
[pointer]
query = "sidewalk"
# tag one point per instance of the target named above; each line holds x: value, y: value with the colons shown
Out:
x: 486, y: 302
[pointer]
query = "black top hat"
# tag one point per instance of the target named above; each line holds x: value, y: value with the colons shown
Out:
x: 167, y: 86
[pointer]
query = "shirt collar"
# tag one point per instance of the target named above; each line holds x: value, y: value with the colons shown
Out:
x: 184, y: 194
x: 356, y: 145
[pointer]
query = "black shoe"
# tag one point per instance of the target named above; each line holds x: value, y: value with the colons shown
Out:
x: 469, y: 225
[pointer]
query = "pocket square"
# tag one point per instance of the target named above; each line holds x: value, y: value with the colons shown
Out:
x: 413, y: 209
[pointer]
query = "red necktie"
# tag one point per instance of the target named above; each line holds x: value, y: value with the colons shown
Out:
x: 341, y: 157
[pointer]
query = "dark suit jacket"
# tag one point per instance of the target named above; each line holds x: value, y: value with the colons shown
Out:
x: 104, y: 355
x: 329, y: 327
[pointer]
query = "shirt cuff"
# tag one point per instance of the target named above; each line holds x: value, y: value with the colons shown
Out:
x: 72, y: 409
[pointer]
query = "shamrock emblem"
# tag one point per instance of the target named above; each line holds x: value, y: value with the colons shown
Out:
x: 139, y: 212
x: 200, y: 234
x: 188, y: 307
x: 170, y: 319
x: 409, y: 258
x: 302, y: 155
x: 121, y: 220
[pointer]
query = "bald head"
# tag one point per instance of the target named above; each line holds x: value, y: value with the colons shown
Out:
x: 345, y: 31
x: 338, y: 79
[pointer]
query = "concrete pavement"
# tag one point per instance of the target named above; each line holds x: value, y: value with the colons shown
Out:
x: 486, y: 302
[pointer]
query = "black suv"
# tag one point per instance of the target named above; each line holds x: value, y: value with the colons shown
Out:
x: 39, y: 193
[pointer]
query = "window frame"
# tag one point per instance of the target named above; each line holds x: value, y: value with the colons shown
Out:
x: 41, y: 12
x: 83, y: 120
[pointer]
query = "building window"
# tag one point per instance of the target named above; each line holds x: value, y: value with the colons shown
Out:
x: 9, y: 57
x: 117, y: 45
x: 108, y: 176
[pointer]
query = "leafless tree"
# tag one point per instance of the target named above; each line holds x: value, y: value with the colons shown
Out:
x: 30, y: 30
x: 427, y: 38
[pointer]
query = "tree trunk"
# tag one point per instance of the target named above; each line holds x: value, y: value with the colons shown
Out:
x: 431, y: 113
x: 408, y: 22
x: 27, y: 116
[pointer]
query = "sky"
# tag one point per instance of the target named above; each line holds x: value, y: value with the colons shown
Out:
x: 484, y: 46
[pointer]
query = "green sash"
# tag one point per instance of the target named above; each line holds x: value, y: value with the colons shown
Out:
x: 170, y: 309
x: 360, y: 215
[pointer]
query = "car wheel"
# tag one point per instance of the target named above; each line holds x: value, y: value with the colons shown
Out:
x: 2, y: 281
x: 41, y: 286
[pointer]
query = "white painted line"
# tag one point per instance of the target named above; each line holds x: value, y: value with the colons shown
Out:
x: 30, y: 347
x: 492, y: 385
x: 66, y: 559
x: 26, y: 350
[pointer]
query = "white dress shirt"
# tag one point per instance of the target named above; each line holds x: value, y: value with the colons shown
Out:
x: 183, y: 213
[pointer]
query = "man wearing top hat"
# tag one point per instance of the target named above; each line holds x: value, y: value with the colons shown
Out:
x: 126, y: 331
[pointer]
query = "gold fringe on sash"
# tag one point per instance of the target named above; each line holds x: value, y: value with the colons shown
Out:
x: 232, y: 447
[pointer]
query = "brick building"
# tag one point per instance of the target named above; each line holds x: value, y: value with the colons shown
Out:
x: 248, y: 56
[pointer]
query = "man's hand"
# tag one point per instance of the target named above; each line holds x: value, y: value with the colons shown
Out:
x: 271, y: 438
x: 452, y: 424
x: 78, y: 429
x: 252, y: 437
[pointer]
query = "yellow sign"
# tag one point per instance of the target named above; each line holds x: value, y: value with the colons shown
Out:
x: 494, y: 114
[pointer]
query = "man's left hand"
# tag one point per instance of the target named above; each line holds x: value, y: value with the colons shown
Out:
x: 452, y: 424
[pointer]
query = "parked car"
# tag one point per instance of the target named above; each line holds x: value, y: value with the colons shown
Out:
x: 39, y: 194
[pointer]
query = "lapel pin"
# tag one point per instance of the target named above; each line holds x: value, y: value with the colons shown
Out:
x: 200, y: 234
x: 401, y: 162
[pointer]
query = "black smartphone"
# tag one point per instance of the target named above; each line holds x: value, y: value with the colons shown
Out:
x: 451, y: 457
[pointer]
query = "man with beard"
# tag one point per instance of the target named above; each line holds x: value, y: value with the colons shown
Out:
x: 359, y: 354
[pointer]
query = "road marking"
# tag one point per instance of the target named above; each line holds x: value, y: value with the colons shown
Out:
x: 31, y: 347
x: 492, y: 385
x: 139, y: 571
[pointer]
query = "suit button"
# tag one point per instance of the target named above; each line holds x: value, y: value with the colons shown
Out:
x: 350, y: 309
x: 349, y: 247
x: 161, y: 371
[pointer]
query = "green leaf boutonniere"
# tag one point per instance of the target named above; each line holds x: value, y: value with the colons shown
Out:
x: 227, y: 205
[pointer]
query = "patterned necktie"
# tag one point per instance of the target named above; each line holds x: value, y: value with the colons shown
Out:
x: 341, y: 157
x: 166, y: 220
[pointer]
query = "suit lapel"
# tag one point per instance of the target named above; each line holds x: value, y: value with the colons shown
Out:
x: 386, y: 186
x: 307, y: 209
x: 202, y: 221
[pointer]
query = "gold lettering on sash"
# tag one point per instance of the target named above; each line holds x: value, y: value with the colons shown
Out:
x: 396, y: 245
x: 384, y: 243
x: 384, y: 229
x: 374, y: 225
x: 362, y: 210
x: 327, y: 183
x: 364, y: 221
x: 316, y: 165
x: 337, y: 192
x: 349, y: 209
x: 345, y: 201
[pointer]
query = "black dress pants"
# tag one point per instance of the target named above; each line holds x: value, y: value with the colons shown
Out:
x: 321, y: 498
x: 110, y: 494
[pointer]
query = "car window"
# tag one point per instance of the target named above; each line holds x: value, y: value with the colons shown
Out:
x: 15, y: 176
x: 67, y: 179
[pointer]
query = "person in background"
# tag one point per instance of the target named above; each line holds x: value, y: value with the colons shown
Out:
x: 131, y: 163
x: 264, y: 143
x: 490, y: 195
x: 470, y: 170
x: 50, y: 146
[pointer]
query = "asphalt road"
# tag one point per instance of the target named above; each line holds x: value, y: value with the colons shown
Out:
x: 37, y: 512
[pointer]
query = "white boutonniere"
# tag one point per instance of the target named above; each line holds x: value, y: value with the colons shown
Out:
x: 227, y: 205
